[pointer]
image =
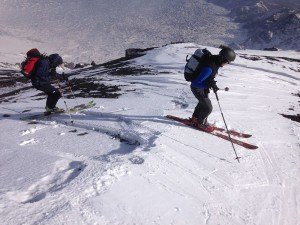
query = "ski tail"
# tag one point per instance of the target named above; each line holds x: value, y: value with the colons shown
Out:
x: 75, y: 109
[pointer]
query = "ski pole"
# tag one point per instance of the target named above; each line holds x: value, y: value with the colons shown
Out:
x: 64, y: 100
x: 224, y: 89
x: 237, y: 157
x: 70, y: 88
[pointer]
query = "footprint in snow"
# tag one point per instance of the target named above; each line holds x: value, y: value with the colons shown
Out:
x: 137, y: 160
x: 31, y: 130
x: 27, y: 142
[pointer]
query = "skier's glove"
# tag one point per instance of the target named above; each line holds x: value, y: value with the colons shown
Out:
x: 65, y: 77
x: 215, y: 88
x: 213, y: 85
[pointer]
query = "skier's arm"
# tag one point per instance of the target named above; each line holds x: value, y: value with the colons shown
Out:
x: 42, y: 71
x: 205, y: 73
x: 56, y: 75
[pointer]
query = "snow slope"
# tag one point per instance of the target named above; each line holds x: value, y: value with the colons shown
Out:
x: 137, y: 167
x: 100, y: 30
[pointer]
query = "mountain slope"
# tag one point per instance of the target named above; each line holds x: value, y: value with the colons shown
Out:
x: 127, y: 164
x: 100, y: 30
x: 268, y: 23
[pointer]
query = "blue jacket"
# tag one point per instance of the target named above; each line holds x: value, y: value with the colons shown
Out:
x: 208, y: 71
x: 44, y: 72
x: 204, y: 75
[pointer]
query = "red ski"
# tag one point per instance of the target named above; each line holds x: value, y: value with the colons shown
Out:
x: 215, y: 132
x: 232, y: 132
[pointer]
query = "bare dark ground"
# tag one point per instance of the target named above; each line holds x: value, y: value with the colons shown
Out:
x: 268, y: 58
x: 293, y: 117
x: 84, y: 85
x: 10, y: 78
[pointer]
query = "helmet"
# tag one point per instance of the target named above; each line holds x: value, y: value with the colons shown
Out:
x: 227, y: 55
x: 55, y: 60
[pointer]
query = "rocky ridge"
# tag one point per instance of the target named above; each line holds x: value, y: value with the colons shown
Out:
x: 268, y: 23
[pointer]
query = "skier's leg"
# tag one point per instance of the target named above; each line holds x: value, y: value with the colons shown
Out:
x: 53, y: 95
x: 204, y: 106
x: 206, y: 112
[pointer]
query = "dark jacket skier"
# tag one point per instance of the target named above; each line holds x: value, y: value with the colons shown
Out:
x: 206, y: 80
x: 44, y: 71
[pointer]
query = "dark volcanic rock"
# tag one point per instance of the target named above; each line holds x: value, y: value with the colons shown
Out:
x: 134, y: 52
x: 271, y: 49
x: 292, y: 117
x: 80, y: 65
x: 269, y: 23
x: 86, y: 82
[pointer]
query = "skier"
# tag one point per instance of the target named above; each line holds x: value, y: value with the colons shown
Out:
x: 44, y: 70
x: 204, y: 81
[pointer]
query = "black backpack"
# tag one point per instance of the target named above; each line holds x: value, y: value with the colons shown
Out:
x: 194, y: 63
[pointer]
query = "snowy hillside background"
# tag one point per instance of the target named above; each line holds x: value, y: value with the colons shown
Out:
x: 269, y: 23
x: 123, y: 162
x: 102, y: 30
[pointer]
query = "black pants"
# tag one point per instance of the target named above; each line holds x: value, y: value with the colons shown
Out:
x: 204, y: 107
x: 52, y: 92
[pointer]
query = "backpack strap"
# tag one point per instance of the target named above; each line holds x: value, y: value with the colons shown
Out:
x: 186, y: 58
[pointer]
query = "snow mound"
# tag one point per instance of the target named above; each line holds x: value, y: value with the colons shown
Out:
x: 63, y: 173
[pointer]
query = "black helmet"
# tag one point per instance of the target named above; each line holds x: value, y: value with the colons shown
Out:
x: 55, y: 60
x: 227, y: 55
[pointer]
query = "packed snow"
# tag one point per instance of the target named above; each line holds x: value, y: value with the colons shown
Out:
x: 124, y: 162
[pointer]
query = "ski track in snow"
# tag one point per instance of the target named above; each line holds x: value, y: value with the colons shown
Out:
x: 136, y: 167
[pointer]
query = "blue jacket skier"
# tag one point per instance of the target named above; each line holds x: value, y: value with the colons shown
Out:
x: 206, y: 80
x: 44, y: 71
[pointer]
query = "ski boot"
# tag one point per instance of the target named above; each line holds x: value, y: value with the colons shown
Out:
x: 205, y: 127
x: 54, y: 110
